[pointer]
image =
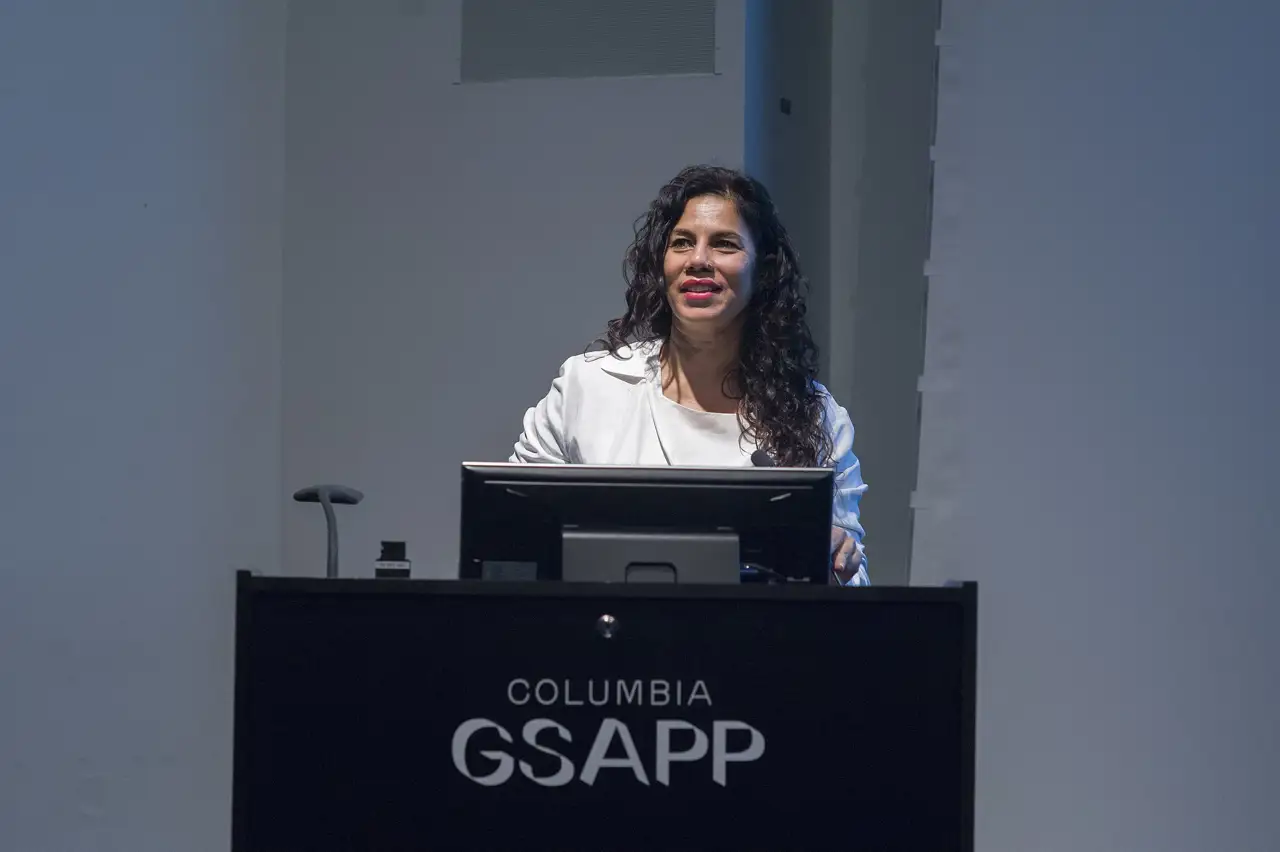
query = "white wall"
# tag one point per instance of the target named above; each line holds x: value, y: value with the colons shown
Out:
x: 882, y: 111
x: 1099, y: 442
x: 849, y: 43
x: 140, y: 247
x: 447, y: 247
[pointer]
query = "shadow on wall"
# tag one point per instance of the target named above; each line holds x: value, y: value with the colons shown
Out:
x: 895, y: 105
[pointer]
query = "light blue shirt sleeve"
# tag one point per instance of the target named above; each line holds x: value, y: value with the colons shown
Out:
x: 849, y: 486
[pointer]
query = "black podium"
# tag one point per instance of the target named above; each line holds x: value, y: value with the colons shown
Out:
x: 388, y: 715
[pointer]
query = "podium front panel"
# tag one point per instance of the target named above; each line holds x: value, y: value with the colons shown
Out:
x: 374, y: 716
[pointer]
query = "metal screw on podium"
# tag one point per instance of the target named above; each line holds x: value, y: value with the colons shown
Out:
x: 326, y: 496
x: 607, y: 626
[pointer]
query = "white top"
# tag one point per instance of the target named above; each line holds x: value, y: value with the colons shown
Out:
x: 699, y: 438
x: 605, y: 409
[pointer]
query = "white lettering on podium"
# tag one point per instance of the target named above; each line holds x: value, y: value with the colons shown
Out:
x: 598, y: 759
x: 655, y: 693
x: 505, y: 765
x: 721, y: 757
x: 546, y: 692
x: 627, y: 693
x: 564, y: 774
x: 665, y: 756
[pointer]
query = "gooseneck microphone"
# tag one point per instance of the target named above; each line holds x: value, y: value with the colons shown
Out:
x: 327, y: 496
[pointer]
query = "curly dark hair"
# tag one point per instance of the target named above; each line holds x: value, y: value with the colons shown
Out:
x: 781, y: 408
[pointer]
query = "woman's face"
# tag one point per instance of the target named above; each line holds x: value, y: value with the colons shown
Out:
x: 709, y: 265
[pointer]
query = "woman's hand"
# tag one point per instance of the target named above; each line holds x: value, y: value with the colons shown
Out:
x: 845, y: 559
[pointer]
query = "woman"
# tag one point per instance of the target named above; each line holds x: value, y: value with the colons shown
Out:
x: 712, y: 360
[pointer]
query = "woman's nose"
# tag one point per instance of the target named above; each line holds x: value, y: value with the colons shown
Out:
x: 700, y: 257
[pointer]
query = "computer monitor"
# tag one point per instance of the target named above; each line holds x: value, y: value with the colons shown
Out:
x: 645, y: 524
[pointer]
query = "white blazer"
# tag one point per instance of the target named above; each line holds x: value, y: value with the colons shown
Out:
x: 600, y: 411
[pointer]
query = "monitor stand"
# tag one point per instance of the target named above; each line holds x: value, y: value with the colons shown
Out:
x: 630, y: 556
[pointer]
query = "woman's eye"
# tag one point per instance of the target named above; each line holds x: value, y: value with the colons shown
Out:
x: 680, y: 242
